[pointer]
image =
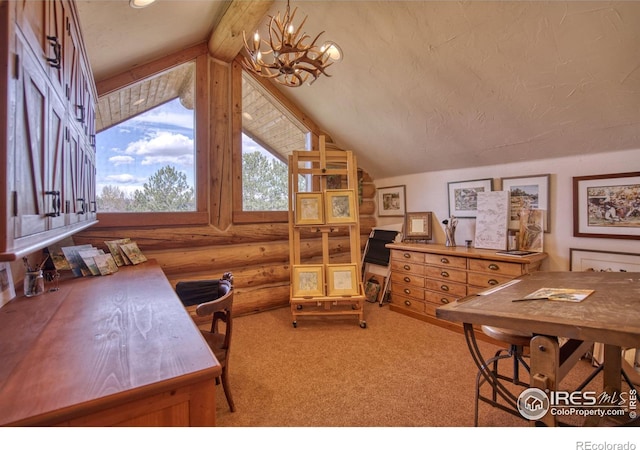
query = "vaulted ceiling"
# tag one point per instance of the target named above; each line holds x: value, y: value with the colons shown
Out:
x: 424, y: 85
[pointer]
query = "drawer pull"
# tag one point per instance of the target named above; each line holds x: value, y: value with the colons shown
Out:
x: 407, y: 291
x: 444, y: 273
x: 493, y: 282
x: 407, y: 267
x: 407, y: 302
x: 444, y: 300
x: 494, y: 267
x: 407, y: 255
x: 444, y: 287
x: 444, y: 260
x: 407, y: 280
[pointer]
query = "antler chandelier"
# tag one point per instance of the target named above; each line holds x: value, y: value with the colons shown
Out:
x: 290, y: 61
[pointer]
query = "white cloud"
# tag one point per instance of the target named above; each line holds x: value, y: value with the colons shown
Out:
x: 159, y: 117
x: 163, y: 147
x: 125, y: 178
x: 121, y: 160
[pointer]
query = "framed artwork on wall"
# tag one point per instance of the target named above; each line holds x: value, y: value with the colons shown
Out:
x: 528, y: 192
x: 417, y: 226
x: 342, y: 279
x: 463, y: 196
x: 607, y: 206
x: 603, y: 261
x: 391, y: 201
x: 308, y: 280
x: 309, y: 208
x: 340, y: 206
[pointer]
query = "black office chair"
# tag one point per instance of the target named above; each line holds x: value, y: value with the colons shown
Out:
x: 214, y: 298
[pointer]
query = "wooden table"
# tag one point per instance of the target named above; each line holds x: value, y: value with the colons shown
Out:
x: 113, y: 350
x: 610, y: 315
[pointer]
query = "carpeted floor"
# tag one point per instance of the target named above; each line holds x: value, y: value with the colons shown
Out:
x: 329, y: 372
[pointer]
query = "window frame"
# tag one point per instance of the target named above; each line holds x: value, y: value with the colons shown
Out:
x: 239, y: 215
x: 199, y: 55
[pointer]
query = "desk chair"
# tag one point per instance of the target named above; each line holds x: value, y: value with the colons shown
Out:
x: 517, y: 342
x: 215, y: 299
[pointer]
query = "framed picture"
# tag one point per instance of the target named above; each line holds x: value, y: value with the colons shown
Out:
x: 530, y: 192
x: 603, y: 261
x: 340, y: 206
x: 391, y: 201
x: 417, y: 225
x: 374, y: 285
x: 342, y: 280
x: 7, y: 289
x: 307, y: 280
x: 607, y: 206
x: 309, y: 208
x: 463, y: 196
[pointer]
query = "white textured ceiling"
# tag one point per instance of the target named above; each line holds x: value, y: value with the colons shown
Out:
x: 428, y: 85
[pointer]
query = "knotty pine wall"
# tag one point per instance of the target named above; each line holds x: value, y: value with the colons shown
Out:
x: 257, y: 254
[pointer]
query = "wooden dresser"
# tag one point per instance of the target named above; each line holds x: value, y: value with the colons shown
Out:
x: 425, y: 276
x: 117, y: 350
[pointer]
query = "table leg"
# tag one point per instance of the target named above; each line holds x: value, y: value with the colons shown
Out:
x: 545, y: 365
x: 612, y: 381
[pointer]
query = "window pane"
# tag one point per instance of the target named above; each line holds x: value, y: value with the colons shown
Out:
x: 146, y: 163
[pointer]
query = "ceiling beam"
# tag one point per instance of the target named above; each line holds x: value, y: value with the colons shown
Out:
x: 226, y: 40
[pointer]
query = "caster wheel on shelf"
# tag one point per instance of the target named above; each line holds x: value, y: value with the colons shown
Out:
x: 363, y: 324
x: 295, y: 324
x: 298, y: 307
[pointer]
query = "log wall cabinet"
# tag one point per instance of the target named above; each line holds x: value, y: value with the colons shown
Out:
x: 326, y: 205
x: 47, y: 127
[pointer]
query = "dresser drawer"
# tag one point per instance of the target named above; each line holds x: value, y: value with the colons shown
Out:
x: 446, y: 287
x: 402, y: 255
x: 439, y: 299
x: 408, y: 279
x: 486, y: 280
x: 407, y: 290
x: 411, y: 267
x: 446, y: 274
x: 445, y: 260
x: 408, y: 303
x: 499, y: 267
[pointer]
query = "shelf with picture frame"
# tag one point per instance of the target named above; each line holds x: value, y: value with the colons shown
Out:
x: 325, y: 287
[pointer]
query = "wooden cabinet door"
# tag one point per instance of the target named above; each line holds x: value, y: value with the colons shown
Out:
x: 57, y: 35
x: 30, y: 142
x: 31, y: 17
x: 54, y: 157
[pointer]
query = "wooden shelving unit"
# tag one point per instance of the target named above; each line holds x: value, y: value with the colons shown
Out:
x: 337, y: 286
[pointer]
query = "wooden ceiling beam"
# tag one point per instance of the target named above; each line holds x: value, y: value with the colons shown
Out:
x: 226, y: 40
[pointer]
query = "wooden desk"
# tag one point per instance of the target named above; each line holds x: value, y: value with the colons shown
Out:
x: 114, y: 350
x: 610, y: 315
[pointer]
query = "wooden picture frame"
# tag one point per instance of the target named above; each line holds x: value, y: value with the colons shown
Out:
x: 7, y: 288
x: 418, y: 226
x: 374, y: 286
x: 392, y: 201
x: 527, y: 192
x: 607, y: 206
x: 581, y: 260
x: 307, y: 280
x: 463, y: 196
x: 309, y: 208
x: 340, y: 206
x: 342, y: 280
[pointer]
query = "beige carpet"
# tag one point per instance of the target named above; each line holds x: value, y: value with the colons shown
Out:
x: 329, y: 372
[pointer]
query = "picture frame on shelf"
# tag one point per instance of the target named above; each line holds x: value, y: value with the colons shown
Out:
x: 342, y: 280
x: 7, y: 288
x: 581, y: 260
x: 309, y: 208
x: 463, y: 196
x: 392, y: 201
x: 418, y: 226
x: 527, y: 192
x: 308, y: 280
x: 340, y: 206
x: 607, y: 206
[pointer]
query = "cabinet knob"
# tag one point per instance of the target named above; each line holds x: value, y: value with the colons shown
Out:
x: 407, y: 255
x: 444, y: 273
x: 407, y: 302
x: 493, y: 282
x: 444, y: 260
x: 407, y: 291
x: 444, y: 300
x: 407, y: 267
x: 407, y: 280
x: 493, y: 266
x: 444, y: 287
